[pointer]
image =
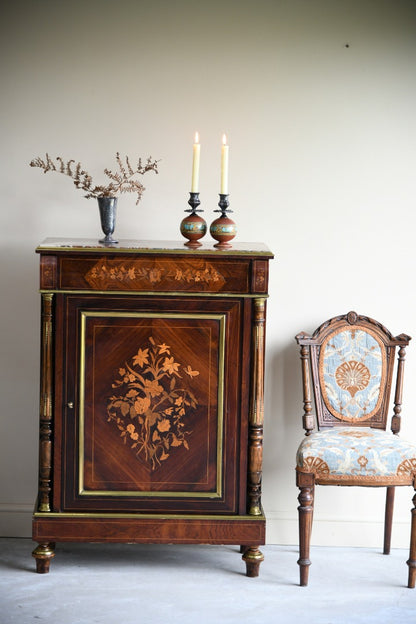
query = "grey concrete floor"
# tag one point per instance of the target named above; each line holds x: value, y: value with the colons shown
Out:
x: 134, y: 584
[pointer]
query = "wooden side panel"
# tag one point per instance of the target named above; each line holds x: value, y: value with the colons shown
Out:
x: 48, y: 272
x: 260, y: 276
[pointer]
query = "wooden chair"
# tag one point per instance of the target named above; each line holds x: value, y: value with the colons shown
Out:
x: 350, y: 360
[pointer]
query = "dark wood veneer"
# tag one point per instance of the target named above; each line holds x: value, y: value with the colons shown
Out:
x: 151, y: 419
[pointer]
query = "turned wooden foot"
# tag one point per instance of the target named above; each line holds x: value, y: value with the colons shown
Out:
x: 412, y: 555
x: 253, y: 558
x: 43, y: 555
x: 305, y: 509
x: 412, y: 574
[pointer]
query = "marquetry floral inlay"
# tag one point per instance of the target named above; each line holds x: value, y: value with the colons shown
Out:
x: 207, y: 275
x: 152, y: 403
x: 110, y: 273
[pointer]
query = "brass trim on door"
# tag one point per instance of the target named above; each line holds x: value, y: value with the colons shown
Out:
x: 221, y: 318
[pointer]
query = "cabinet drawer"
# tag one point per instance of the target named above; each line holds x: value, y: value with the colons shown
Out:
x: 154, y: 274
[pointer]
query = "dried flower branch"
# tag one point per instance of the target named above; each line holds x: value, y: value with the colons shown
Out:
x: 122, y: 181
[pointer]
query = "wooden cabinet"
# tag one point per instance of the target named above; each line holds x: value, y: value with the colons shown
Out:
x: 151, y: 410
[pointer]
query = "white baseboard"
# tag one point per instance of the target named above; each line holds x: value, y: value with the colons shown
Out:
x: 281, y: 528
x: 16, y: 520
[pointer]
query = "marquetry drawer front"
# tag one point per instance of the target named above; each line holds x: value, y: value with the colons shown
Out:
x: 155, y: 274
x: 151, y: 403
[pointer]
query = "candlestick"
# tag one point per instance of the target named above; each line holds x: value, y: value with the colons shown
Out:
x: 195, y: 164
x: 223, y: 229
x: 224, y: 166
x: 193, y: 227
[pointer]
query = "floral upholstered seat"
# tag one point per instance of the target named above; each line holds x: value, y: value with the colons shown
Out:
x: 349, y: 362
x: 357, y: 455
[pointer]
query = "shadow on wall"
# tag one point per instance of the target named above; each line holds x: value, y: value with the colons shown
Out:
x: 283, y: 408
x: 19, y: 363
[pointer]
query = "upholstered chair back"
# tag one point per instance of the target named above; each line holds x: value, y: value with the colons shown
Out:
x: 352, y: 360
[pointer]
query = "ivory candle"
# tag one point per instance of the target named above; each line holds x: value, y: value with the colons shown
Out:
x: 195, y: 164
x: 224, y: 166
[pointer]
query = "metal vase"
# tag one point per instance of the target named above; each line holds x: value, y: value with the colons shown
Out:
x: 108, y: 208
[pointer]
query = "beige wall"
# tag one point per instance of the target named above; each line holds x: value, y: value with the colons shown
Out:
x: 322, y: 169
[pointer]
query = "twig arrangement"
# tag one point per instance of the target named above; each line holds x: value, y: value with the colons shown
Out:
x: 122, y: 181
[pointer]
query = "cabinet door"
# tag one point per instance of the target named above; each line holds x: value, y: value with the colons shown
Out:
x: 151, y: 403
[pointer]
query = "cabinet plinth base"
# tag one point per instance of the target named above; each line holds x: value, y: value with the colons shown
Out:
x: 164, y: 529
x: 49, y: 528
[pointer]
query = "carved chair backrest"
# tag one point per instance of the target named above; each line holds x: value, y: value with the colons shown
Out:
x: 350, y: 360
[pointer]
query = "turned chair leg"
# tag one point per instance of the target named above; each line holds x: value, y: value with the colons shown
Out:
x: 43, y: 555
x: 305, y: 509
x: 412, y: 555
x: 388, y: 519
